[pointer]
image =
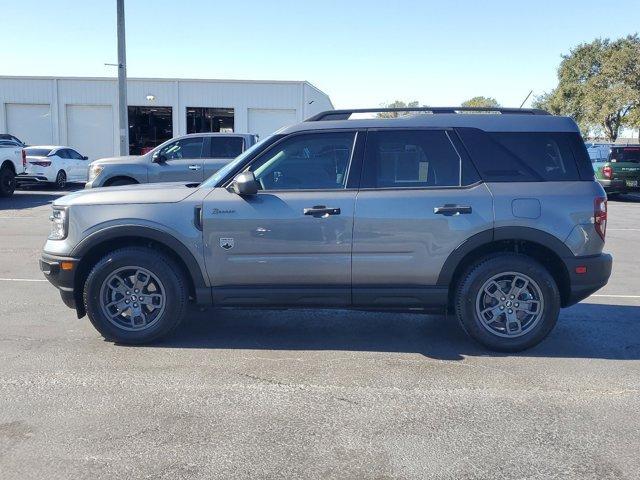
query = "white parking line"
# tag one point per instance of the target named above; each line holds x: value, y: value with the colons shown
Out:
x: 23, y: 280
x: 623, y: 229
x: 617, y: 296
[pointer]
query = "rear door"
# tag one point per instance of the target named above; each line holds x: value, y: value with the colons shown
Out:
x: 420, y: 198
x: 220, y: 150
x: 178, y: 161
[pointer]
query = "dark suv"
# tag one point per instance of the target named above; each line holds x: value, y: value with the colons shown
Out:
x: 494, y: 216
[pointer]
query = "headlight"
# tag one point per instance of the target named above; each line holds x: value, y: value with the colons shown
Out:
x: 94, y: 171
x: 59, y: 223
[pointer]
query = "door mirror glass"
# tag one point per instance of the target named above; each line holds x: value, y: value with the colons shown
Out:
x: 84, y: 157
x: 245, y: 184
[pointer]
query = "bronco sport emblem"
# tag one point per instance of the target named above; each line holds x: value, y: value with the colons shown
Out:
x: 226, y: 243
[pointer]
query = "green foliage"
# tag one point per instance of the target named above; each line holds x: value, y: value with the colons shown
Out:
x: 397, y: 104
x: 599, y: 86
x: 481, y: 101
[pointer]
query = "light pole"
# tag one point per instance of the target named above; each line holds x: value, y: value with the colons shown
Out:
x: 123, y: 118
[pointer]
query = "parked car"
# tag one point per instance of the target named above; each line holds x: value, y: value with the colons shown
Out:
x: 617, y: 168
x: 5, y: 137
x: 56, y: 165
x: 12, y: 161
x: 496, y: 217
x: 189, y: 158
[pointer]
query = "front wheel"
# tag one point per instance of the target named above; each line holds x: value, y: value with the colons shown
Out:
x: 135, y: 295
x: 507, y: 302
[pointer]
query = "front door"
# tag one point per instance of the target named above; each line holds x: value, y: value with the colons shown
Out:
x: 178, y: 161
x: 291, y: 242
x: 420, y: 198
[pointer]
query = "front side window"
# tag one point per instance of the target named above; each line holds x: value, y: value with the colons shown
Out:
x: 318, y: 161
x: 226, y: 147
x: 74, y: 155
x: 186, y: 148
x: 410, y: 159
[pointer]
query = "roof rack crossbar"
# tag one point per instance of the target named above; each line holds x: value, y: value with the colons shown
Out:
x: 345, y: 114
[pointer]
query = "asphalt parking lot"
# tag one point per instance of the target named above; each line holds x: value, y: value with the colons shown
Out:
x: 301, y: 394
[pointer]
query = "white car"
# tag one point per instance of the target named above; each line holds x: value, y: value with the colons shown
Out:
x: 54, y: 164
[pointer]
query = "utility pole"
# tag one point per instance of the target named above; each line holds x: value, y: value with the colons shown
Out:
x: 123, y: 118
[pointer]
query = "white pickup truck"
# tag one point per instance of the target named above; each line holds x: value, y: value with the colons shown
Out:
x: 12, y: 162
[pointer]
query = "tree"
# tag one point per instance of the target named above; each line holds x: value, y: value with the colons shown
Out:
x: 481, y: 101
x: 599, y: 86
x: 397, y: 104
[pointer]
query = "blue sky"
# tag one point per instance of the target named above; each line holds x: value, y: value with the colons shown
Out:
x: 362, y: 53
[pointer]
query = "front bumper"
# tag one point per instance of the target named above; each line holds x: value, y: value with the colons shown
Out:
x: 597, y: 270
x: 61, y: 271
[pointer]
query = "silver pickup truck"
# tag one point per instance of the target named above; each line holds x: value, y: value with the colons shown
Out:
x: 189, y: 158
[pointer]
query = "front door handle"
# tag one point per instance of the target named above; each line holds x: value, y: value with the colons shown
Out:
x: 194, y: 167
x: 320, y: 211
x: 451, y: 209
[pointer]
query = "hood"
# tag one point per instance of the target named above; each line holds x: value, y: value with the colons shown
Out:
x: 170, y: 192
x: 125, y: 159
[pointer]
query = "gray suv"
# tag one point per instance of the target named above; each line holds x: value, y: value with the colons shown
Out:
x: 189, y: 158
x: 494, y: 216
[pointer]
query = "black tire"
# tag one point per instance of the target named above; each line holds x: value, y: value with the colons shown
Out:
x: 167, y: 272
x: 61, y: 180
x: 7, y: 182
x: 121, y: 181
x: 467, y: 297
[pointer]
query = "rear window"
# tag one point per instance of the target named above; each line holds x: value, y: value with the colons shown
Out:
x: 226, y: 147
x: 625, y: 154
x: 37, y: 152
x: 527, y: 156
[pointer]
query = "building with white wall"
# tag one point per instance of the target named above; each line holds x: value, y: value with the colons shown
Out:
x: 83, y: 112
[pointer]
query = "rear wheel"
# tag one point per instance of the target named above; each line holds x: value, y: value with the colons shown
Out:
x: 135, y: 295
x: 507, y: 302
x: 61, y: 180
x: 7, y: 182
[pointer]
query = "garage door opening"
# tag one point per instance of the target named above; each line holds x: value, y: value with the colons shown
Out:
x: 201, y: 120
x: 148, y: 128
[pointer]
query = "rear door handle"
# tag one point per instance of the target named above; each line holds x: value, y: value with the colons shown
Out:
x: 194, y: 167
x: 320, y: 211
x: 450, y: 209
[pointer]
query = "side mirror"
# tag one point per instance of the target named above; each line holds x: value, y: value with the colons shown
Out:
x: 84, y: 157
x: 159, y: 158
x: 245, y: 184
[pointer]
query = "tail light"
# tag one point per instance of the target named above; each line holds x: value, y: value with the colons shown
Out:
x: 24, y: 159
x: 43, y: 163
x: 607, y: 171
x: 600, y: 216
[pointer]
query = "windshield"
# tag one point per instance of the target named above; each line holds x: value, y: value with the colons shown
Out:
x: 37, y: 152
x: 215, y: 179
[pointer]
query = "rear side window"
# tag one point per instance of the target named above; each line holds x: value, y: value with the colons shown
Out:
x: 226, y: 147
x: 411, y: 159
x: 527, y: 156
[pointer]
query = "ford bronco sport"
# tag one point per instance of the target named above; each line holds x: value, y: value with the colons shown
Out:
x: 496, y: 217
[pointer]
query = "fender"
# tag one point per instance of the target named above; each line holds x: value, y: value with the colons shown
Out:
x: 203, y: 292
x: 501, y: 233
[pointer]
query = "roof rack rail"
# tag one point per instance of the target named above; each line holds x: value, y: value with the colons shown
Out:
x: 345, y: 114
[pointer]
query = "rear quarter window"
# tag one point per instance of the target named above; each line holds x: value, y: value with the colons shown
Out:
x: 527, y: 156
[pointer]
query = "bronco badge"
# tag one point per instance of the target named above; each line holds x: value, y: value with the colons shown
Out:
x: 226, y: 243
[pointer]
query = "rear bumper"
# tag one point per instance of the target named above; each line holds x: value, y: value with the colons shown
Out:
x: 26, y: 179
x: 617, y: 185
x: 61, y: 276
x: 596, y: 275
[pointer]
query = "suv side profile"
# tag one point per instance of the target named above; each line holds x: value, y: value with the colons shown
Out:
x: 188, y: 158
x: 496, y: 217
